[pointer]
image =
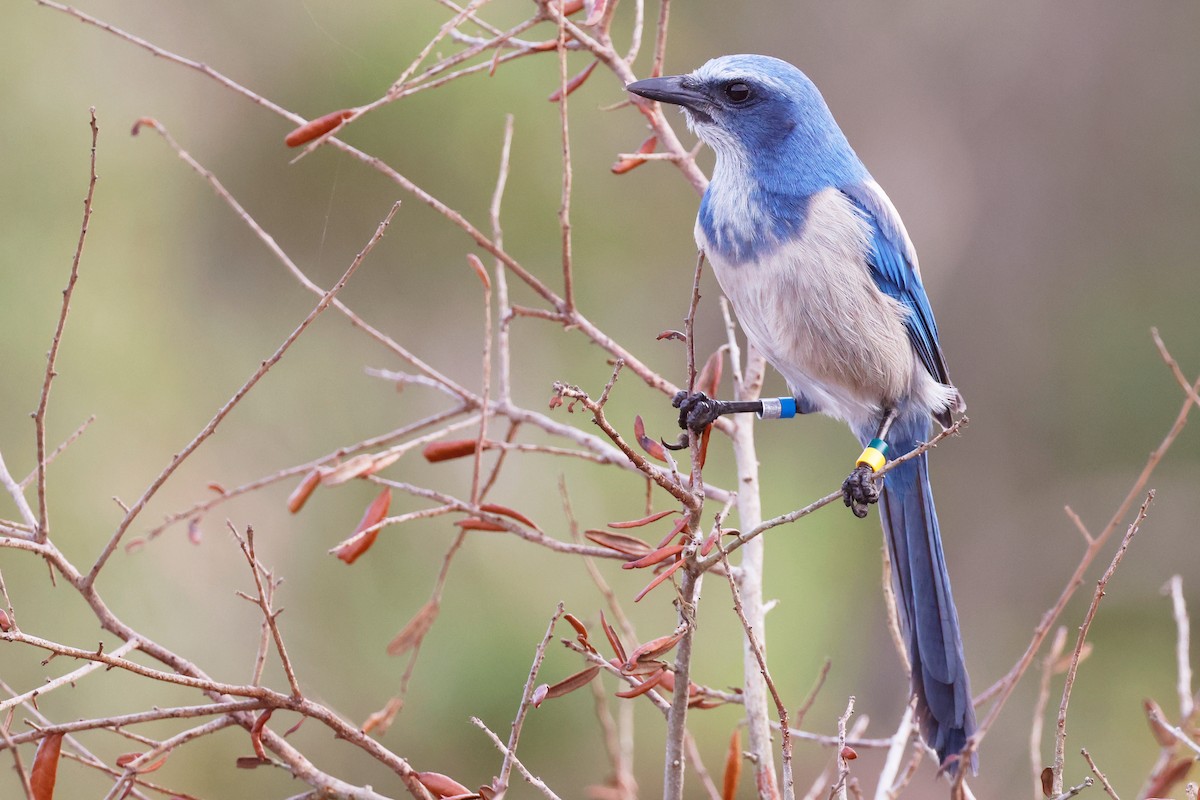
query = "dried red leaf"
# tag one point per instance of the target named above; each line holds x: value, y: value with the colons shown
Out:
x: 657, y: 557
x: 503, y: 511
x: 441, y: 785
x: 614, y: 641
x: 456, y: 448
x: 250, y: 762
x: 622, y: 543
x: 476, y: 524
x: 709, y: 543
x: 705, y: 703
x: 361, y: 540
x: 653, y: 447
x: 733, y: 766
x: 44, y: 772
x: 303, y: 491
x: 256, y: 733
x: 379, y: 721
x: 654, y: 648
x: 671, y: 334
x: 848, y: 753
x: 637, y: 523
x: 6, y: 623
x: 662, y: 576
x: 1154, y: 715
x: 218, y: 488
x: 318, y: 127
x: 570, y: 7
x: 150, y: 122
x: 125, y: 759
x: 675, y: 531
x: 573, y: 682
x: 480, y: 270
x: 556, y: 401
x: 539, y: 694
x: 415, y: 630
x: 625, y: 165
x: 574, y: 83
x: 710, y: 374
x: 1173, y: 773
x: 574, y: 622
x: 1048, y: 782
x: 653, y: 680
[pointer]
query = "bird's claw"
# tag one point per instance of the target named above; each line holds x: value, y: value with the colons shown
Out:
x: 696, y: 411
x: 679, y: 444
x: 859, y: 490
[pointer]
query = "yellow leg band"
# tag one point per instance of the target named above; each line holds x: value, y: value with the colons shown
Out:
x: 872, y: 458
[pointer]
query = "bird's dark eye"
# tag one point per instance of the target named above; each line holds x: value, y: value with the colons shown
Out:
x: 738, y: 91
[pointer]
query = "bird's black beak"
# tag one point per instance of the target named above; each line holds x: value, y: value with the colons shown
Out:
x: 671, y: 89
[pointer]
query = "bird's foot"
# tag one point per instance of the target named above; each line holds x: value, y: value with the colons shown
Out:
x: 859, y: 490
x: 696, y: 412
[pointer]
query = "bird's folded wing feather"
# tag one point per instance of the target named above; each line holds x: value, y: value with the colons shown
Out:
x: 893, y: 263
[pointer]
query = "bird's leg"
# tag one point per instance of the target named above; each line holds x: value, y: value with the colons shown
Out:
x: 859, y: 489
x: 697, y: 411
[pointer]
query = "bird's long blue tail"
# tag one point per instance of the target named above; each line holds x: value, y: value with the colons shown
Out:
x: 928, y: 620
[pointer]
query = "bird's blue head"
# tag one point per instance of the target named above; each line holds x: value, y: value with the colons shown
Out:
x: 776, y: 142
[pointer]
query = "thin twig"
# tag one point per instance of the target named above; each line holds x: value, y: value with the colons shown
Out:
x: 510, y: 752
x: 1073, y: 669
x: 263, y: 578
x: 233, y: 401
x: 39, y: 416
x: 1049, y: 663
x: 1108, y: 789
x: 511, y: 758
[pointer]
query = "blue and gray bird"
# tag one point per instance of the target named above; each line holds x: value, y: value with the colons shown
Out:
x: 825, y: 283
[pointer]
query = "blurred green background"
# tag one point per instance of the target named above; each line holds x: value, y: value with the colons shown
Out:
x: 1046, y: 159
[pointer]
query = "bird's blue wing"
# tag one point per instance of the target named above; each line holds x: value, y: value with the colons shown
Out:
x: 893, y: 266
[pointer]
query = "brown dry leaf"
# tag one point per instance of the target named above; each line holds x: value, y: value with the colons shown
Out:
x: 1048, y: 782
x: 733, y: 766
x: 653, y: 447
x: 658, y: 556
x: 661, y: 577
x: 414, y: 631
x: 492, y: 508
x: 1154, y: 715
x: 480, y: 271
x: 455, y: 448
x: 613, y: 640
x: 476, y: 524
x: 848, y: 753
x: 570, y: 684
x: 574, y: 622
x: 303, y: 491
x: 250, y: 762
x: 441, y: 785
x: 622, y: 543
x: 1175, y: 772
x: 655, y: 647
x: 45, y: 767
x: 637, y: 523
x: 575, y: 82
x: 316, y: 128
x: 379, y: 721
x: 710, y: 374
x: 256, y: 733
x: 360, y: 542
x: 654, y: 679
x: 625, y: 165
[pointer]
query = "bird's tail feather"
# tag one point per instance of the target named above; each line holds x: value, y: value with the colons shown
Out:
x: 924, y: 602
